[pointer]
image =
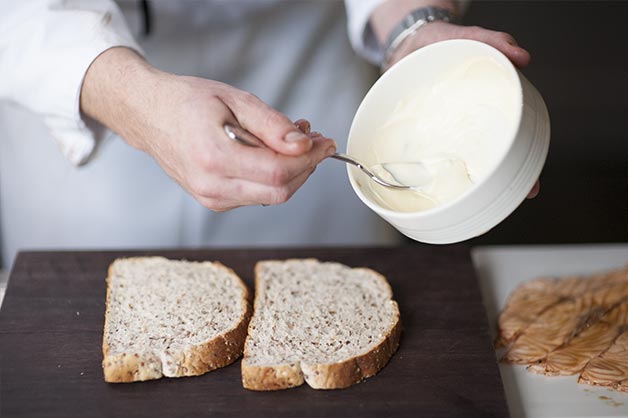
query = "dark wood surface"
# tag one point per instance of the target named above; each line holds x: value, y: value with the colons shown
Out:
x: 52, y: 318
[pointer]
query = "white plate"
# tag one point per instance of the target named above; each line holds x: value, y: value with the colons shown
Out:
x: 500, y: 270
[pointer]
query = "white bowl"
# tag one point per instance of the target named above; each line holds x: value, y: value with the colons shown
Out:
x: 516, y: 165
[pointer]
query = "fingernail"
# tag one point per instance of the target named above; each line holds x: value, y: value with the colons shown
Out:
x: 303, y: 125
x: 295, y: 136
x: 330, y: 151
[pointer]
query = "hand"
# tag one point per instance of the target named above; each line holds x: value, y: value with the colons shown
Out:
x: 179, y: 122
x: 441, y: 31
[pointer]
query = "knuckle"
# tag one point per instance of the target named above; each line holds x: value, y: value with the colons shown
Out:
x: 195, y: 187
x: 215, y: 205
x: 280, y: 195
x: 218, y: 199
x: 210, y: 204
x: 249, y: 98
x: 274, y: 118
x: 200, y: 188
x: 505, y: 36
x: 207, y: 161
x: 279, y: 176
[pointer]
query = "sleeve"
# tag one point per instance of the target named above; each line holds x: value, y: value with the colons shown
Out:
x: 360, y: 32
x: 46, y: 47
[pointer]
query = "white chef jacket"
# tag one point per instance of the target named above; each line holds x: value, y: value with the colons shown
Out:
x: 66, y: 182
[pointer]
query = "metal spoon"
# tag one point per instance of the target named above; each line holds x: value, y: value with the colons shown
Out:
x: 246, y: 138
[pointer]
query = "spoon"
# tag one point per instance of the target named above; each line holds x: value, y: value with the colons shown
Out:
x: 393, y: 171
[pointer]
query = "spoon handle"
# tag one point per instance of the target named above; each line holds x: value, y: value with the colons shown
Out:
x: 244, y: 137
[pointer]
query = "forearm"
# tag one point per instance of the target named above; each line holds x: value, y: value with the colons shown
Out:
x: 118, y: 86
x: 389, y: 13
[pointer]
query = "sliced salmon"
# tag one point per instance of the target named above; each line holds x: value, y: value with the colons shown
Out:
x: 562, y: 322
x: 571, y: 357
x: 531, y: 299
x: 610, y: 368
x: 524, y: 305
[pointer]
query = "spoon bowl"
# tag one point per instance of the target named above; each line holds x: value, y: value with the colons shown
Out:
x: 378, y: 173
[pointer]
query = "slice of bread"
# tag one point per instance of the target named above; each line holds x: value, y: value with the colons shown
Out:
x: 323, y: 323
x: 172, y: 318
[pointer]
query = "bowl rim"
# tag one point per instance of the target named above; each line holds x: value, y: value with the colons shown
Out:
x: 409, y: 60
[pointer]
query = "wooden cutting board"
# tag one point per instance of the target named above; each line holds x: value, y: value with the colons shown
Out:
x: 52, y: 318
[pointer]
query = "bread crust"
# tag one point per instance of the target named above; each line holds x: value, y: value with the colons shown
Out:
x: 355, y: 369
x: 281, y: 376
x: 323, y: 375
x: 218, y: 352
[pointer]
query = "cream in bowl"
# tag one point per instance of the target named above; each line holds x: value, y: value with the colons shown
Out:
x: 458, y: 120
x: 454, y: 127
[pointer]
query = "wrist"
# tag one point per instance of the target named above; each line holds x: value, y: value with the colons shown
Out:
x: 429, y: 34
x: 390, y: 13
x: 411, y: 25
x: 118, y: 88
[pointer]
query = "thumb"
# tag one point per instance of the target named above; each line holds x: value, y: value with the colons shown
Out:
x: 274, y: 128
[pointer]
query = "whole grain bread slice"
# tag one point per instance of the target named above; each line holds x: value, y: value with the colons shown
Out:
x: 172, y: 318
x: 322, y: 323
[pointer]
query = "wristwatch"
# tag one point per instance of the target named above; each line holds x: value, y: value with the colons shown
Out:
x: 411, y: 23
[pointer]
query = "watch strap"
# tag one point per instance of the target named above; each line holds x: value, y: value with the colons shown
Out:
x: 411, y: 23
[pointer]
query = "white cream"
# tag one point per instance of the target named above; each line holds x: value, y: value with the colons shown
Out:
x: 458, y: 128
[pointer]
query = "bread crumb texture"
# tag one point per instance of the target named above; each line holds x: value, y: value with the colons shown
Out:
x: 318, y: 322
x: 172, y: 318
